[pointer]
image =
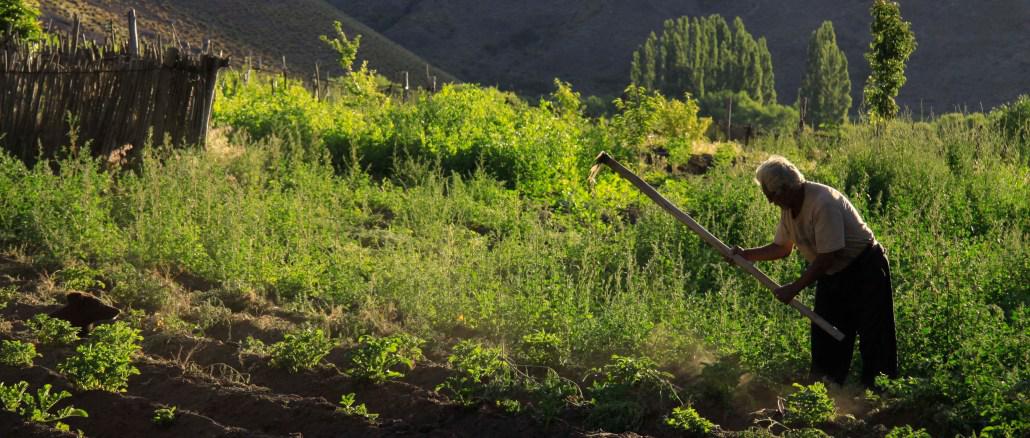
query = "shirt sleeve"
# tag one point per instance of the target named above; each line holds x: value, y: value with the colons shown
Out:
x: 829, y: 228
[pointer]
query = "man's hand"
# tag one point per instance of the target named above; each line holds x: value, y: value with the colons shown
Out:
x: 787, y: 292
x: 734, y: 251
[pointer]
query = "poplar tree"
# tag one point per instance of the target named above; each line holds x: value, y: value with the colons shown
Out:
x: 826, y: 84
x: 893, y: 42
x: 702, y: 55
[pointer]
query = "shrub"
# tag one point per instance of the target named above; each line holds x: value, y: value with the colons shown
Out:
x: 52, y: 331
x: 544, y: 348
x: 686, y: 419
x: 105, y: 361
x: 482, y: 372
x: 80, y: 277
x: 621, y: 390
x: 17, y: 353
x: 375, y: 357
x: 906, y: 431
x: 808, y: 406
x: 300, y: 350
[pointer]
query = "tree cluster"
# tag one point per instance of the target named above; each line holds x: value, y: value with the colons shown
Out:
x: 702, y: 55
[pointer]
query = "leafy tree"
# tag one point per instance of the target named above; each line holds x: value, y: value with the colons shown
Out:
x: 826, y: 84
x: 702, y: 55
x: 22, y: 18
x: 893, y: 42
x: 345, y: 47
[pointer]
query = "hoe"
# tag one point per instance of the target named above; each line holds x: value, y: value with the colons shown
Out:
x: 746, y: 265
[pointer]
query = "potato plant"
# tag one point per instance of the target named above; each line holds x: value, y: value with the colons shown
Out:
x: 52, y: 331
x: 17, y: 353
x: 104, y: 361
x: 300, y: 350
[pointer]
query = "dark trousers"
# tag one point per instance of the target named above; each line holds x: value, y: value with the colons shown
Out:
x: 859, y: 301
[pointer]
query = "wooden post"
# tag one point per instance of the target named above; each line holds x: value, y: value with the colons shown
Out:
x: 207, y: 45
x: 724, y: 250
x: 133, y: 34
x: 318, y: 85
x: 284, y: 70
x: 76, y: 29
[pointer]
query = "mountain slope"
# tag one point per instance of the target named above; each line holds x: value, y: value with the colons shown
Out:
x: 970, y: 53
x: 268, y: 29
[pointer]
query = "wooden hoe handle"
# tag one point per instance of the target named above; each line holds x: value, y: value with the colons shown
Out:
x: 745, y: 264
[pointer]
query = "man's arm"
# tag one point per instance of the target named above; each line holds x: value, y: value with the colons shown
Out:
x: 771, y: 251
x: 815, y: 270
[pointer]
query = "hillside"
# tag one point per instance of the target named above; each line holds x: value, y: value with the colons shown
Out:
x: 262, y: 28
x: 524, y: 45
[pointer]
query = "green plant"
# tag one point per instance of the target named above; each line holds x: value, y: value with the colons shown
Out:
x: 52, y: 331
x: 300, y: 350
x: 105, y: 361
x: 544, y: 348
x: 80, y: 277
x: 348, y: 407
x: 907, y: 431
x: 509, y: 406
x: 551, y: 395
x: 22, y: 18
x: 7, y: 293
x: 686, y: 419
x: 808, y: 406
x: 481, y: 373
x: 375, y: 357
x: 893, y: 42
x: 38, y: 408
x: 622, y: 388
x: 164, y: 417
x: 346, y: 48
x: 251, y: 345
x: 17, y: 353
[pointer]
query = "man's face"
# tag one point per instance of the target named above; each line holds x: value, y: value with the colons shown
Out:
x: 775, y: 198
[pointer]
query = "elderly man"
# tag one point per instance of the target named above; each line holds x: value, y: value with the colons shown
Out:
x: 854, y: 282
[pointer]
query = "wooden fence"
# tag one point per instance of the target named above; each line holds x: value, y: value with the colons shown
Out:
x: 110, y: 94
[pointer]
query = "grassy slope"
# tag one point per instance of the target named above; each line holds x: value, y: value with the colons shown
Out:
x: 265, y: 28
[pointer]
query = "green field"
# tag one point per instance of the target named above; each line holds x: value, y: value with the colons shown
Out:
x: 467, y: 215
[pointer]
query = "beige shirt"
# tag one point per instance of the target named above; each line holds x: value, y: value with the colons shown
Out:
x: 826, y: 223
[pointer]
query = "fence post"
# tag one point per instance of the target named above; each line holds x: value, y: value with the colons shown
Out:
x: 729, y: 118
x: 76, y: 30
x: 318, y: 85
x: 133, y: 34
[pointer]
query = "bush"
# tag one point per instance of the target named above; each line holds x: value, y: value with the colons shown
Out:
x: 1013, y: 119
x: 375, y: 357
x: 17, y: 353
x: 300, y: 350
x: 621, y: 390
x: 687, y: 419
x: 52, y: 331
x: 105, y: 361
x: 808, y: 406
x: 482, y: 373
x: 544, y: 349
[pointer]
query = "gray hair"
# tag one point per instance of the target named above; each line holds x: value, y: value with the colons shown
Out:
x: 777, y: 174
